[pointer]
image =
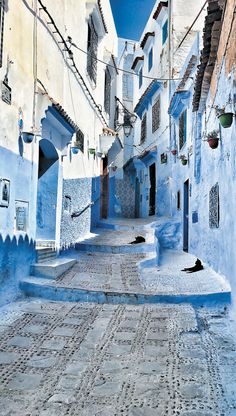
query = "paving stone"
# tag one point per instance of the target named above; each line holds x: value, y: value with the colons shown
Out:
x: 54, y: 344
x: 34, y: 329
x: 25, y: 381
x: 68, y: 383
x: 106, y: 389
x: 8, y: 357
x: 63, y: 331
x: 65, y: 398
x: 76, y: 368
x: 143, y: 411
x: 21, y: 342
x: 42, y: 362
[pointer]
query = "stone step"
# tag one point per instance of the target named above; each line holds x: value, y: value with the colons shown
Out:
x: 46, y: 288
x: 45, y: 256
x: 53, y: 268
x: 115, y: 249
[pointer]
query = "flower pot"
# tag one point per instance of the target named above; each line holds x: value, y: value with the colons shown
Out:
x: 226, y: 119
x: 184, y: 161
x: 99, y: 154
x: 75, y: 150
x: 92, y: 151
x: 27, y: 137
x: 213, y: 142
x: 114, y: 168
x: 174, y: 152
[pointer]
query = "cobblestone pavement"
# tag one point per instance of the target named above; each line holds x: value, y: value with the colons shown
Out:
x: 60, y: 359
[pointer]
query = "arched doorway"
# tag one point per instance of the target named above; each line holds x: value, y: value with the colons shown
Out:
x: 47, y: 191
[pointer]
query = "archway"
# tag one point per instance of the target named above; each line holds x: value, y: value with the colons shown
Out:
x: 47, y: 191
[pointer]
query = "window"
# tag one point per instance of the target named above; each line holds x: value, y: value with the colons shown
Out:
x: 164, y: 32
x: 214, y: 207
x: 178, y: 200
x: 80, y: 140
x: 107, y: 91
x: 1, y: 29
x: 143, y: 128
x: 182, y: 129
x: 150, y: 59
x: 156, y: 115
x: 140, y: 77
x: 92, y: 48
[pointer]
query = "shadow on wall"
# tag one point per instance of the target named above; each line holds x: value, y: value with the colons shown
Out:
x: 16, y: 256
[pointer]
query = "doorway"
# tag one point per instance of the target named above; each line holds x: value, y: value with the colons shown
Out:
x: 152, y: 192
x: 186, y: 217
x: 137, y: 198
x: 104, y: 187
x: 47, y: 191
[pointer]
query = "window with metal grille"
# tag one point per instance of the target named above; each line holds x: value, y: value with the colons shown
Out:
x: 1, y: 29
x: 92, y: 51
x: 164, y: 32
x: 182, y: 129
x: 150, y: 59
x: 214, y: 207
x: 140, y: 77
x: 143, y: 128
x: 80, y: 140
x: 107, y: 91
x: 156, y: 112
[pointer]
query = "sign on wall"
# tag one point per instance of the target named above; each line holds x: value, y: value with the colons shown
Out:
x: 4, y: 192
x: 21, y: 217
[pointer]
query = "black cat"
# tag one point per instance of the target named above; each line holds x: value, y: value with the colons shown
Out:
x: 198, y: 266
x: 138, y: 239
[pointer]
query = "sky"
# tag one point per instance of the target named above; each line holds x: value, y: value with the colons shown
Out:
x: 131, y: 16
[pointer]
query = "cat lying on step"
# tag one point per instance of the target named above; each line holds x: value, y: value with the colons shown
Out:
x: 198, y: 266
x: 138, y: 239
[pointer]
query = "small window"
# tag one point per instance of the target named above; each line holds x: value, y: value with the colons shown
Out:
x: 150, y: 59
x: 214, y: 207
x: 156, y: 115
x: 143, y: 128
x: 182, y: 129
x: 92, y: 47
x: 107, y: 91
x: 140, y: 77
x: 164, y: 32
x: 1, y: 29
x: 178, y: 200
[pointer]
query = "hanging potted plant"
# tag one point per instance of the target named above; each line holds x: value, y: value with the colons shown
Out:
x: 75, y: 150
x: 174, y: 152
x: 92, y: 151
x: 27, y: 136
x: 213, y: 139
x: 225, y: 117
x: 183, y: 159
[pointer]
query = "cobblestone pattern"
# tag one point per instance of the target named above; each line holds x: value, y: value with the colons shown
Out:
x: 87, y: 360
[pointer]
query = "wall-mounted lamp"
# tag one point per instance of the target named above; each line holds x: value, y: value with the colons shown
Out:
x: 128, y: 119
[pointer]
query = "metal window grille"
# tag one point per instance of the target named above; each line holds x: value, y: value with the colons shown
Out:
x: 156, y: 112
x: 182, y: 128
x: 214, y: 207
x: 143, y: 128
x: 80, y: 140
x: 92, y: 52
x: 1, y: 29
x: 107, y: 92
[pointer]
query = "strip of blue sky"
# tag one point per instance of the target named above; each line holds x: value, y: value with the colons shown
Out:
x: 130, y: 16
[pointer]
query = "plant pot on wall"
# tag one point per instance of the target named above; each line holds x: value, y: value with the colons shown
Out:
x: 226, y: 119
x: 213, y: 142
x: 184, y: 162
x: 28, y: 137
x: 75, y: 150
x: 92, y: 151
x: 174, y: 152
x: 163, y: 158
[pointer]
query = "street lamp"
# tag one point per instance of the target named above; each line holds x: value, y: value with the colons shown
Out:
x: 128, y: 120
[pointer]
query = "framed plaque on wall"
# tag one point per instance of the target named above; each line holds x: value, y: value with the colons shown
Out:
x: 4, y: 192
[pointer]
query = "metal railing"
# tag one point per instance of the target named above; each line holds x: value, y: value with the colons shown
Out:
x: 76, y: 214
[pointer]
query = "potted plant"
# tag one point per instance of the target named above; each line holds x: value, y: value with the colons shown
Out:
x: 183, y: 159
x: 174, y: 152
x: 225, y: 118
x: 213, y: 139
x: 28, y: 137
x: 92, y: 151
x: 75, y: 150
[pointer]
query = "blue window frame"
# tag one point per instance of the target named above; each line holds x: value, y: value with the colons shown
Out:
x: 150, y: 59
x: 164, y: 32
x: 140, y: 77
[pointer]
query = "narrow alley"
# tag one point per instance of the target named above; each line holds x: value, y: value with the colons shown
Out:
x: 117, y: 207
